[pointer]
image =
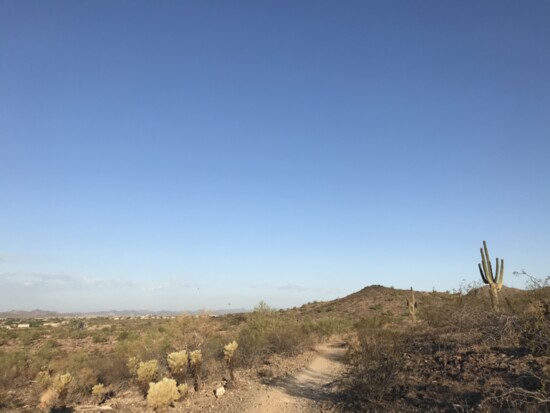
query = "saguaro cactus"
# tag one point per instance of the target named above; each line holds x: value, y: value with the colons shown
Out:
x: 493, y: 280
x: 412, y: 306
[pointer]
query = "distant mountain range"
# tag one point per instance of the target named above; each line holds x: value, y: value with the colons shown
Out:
x: 113, y: 313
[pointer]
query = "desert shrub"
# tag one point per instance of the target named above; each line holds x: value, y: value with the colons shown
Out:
x: 375, y: 358
x: 110, y: 370
x: 535, y: 329
x: 329, y: 326
x: 178, y: 362
x: 49, y: 349
x: 82, y: 366
x: 43, y: 379
x: 195, y: 332
x: 150, y: 344
x: 267, y: 332
x: 162, y: 394
x: 127, y: 335
x: 6, y: 336
x: 100, y: 337
x: 48, y: 400
x: 28, y: 337
x: 13, y: 367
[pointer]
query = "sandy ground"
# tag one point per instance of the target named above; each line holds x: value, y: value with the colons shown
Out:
x: 307, y: 391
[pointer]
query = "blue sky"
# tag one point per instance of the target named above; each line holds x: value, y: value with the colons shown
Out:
x: 186, y: 155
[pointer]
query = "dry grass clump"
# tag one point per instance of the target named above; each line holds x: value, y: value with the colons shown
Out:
x: 48, y: 400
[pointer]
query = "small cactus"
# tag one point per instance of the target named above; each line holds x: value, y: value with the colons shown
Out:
x: 493, y: 280
x: 133, y: 365
x: 55, y: 396
x: 147, y: 373
x: 229, y: 357
x: 183, y: 390
x: 61, y: 384
x: 162, y: 394
x: 100, y: 393
x: 195, y: 362
x: 412, y: 306
x: 178, y: 362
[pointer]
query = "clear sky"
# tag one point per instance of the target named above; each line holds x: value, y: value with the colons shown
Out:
x: 211, y: 154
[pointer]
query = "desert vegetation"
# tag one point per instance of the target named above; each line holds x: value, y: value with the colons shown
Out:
x: 461, y: 356
x: 148, y: 357
x: 407, y: 351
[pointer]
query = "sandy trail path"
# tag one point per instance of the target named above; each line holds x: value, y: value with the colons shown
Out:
x: 306, y: 391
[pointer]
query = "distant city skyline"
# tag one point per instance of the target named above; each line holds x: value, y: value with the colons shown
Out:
x: 209, y: 155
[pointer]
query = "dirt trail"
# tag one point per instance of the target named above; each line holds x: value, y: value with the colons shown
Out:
x: 309, y: 390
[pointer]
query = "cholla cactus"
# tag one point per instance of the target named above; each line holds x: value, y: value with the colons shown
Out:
x: 229, y: 357
x: 146, y: 373
x: 100, y: 393
x: 195, y: 362
x: 61, y: 384
x: 162, y: 394
x: 412, y: 306
x: 133, y: 365
x: 98, y: 389
x: 486, y: 271
x: 178, y: 362
x: 57, y: 393
x: 183, y: 390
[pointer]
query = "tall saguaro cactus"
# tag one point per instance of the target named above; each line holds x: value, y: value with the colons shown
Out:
x: 493, y: 280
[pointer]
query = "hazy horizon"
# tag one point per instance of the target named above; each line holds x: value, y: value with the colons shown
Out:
x: 188, y: 155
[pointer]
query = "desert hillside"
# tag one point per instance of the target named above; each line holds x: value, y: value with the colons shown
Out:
x: 362, y: 352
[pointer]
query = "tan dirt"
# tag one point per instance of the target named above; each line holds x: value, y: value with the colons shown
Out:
x: 310, y: 390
